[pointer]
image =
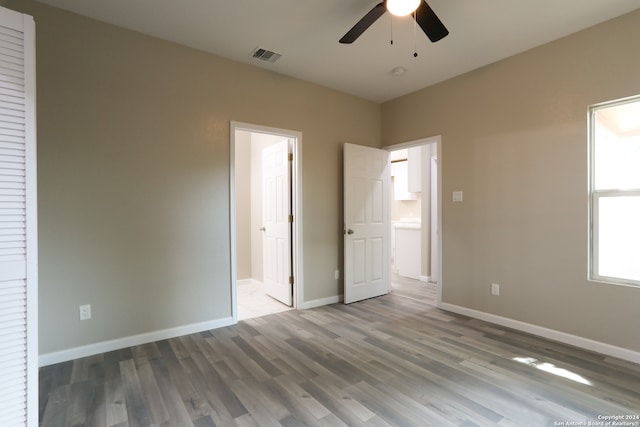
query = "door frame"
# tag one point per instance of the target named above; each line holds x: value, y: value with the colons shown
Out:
x: 434, y: 212
x: 296, y: 207
x: 436, y: 139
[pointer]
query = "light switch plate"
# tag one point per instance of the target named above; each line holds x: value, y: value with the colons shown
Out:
x: 457, y: 196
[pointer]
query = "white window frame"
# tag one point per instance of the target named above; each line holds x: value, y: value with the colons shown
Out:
x: 596, y: 195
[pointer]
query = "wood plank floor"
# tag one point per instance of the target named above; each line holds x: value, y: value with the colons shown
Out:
x: 395, y: 360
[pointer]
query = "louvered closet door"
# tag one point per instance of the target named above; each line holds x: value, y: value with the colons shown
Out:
x: 18, y: 242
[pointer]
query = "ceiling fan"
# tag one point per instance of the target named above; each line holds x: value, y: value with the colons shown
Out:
x: 419, y: 9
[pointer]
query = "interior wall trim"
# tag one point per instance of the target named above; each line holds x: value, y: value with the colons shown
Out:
x: 552, y: 334
x: 116, y: 344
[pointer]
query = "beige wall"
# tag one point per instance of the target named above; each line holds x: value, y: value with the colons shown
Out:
x: 514, y: 139
x: 133, y: 176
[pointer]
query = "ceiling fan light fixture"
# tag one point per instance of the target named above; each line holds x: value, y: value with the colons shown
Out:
x: 402, y: 7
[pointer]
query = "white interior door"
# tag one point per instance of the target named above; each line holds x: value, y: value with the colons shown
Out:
x: 367, y: 223
x: 276, y: 226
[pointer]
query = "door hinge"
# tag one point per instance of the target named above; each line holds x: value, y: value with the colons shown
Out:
x: 291, y: 280
x: 290, y: 157
x: 291, y: 218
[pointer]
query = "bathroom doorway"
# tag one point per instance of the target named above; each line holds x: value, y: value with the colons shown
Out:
x: 415, y: 208
x: 266, y: 226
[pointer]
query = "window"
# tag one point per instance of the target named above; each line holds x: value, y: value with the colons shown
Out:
x: 614, y: 190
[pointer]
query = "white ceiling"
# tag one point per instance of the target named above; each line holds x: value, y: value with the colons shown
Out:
x: 306, y: 33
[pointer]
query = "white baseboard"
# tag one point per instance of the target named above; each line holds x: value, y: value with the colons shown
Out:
x: 425, y: 278
x: 552, y: 334
x: 322, y: 301
x: 105, y: 346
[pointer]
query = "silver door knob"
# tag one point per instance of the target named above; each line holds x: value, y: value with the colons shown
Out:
x: 349, y: 231
x: 263, y: 228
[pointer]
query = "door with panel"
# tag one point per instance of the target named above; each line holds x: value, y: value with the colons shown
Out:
x: 367, y: 224
x: 276, y: 205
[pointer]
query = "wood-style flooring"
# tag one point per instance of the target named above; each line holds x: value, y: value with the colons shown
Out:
x: 395, y: 360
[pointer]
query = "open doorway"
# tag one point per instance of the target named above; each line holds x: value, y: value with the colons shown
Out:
x: 265, y: 220
x: 415, y: 219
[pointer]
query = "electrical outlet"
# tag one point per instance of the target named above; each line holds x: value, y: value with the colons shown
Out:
x: 85, y: 312
x: 495, y: 289
x: 336, y: 275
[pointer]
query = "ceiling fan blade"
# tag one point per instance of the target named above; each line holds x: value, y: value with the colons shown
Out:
x: 429, y: 22
x: 360, y: 27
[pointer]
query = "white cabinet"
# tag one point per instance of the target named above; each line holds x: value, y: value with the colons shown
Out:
x: 414, y: 169
x: 406, y: 169
x: 400, y: 173
x: 408, y: 253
